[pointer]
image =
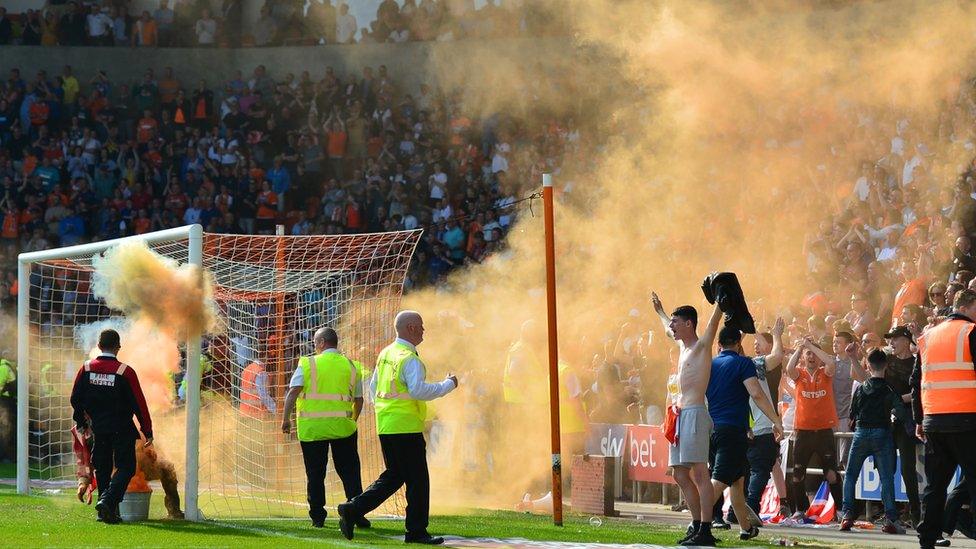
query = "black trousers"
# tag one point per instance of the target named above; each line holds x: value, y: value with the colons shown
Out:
x: 116, y: 450
x: 905, y: 444
x: 807, y: 444
x: 943, y: 452
x: 405, y: 456
x: 959, y: 509
x: 345, y: 454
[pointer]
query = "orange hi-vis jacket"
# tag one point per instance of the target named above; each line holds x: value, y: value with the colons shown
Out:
x: 948, y: 375
x: 251, y: 405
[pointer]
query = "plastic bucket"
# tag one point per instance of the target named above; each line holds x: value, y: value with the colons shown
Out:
x: 135, y: 506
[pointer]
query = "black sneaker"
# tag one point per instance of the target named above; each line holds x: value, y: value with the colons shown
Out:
x: 753, y: 532
x: 319, y: 522
x: 363, y: 522
x: 688, y: 534
x: 347, y: 520
x: 701, y: 539
x: 107, y: 513
x: 719, y: 524
x: 943, y: 542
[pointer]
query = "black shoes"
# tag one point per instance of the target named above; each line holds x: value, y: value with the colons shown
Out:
x: 107, y: 513
x: 700, y: 539
x: 688, y: 534
x: 319, y: 521
x: 347, y: 520
x: 719, y: 524
x: 943, y: 542
x: 753, y: 532
x: 424, y: 540
x: 363, y: 522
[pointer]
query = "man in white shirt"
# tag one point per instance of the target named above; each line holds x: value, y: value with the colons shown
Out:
x: 206, y: 29
x: 346, y: 25
x: 399, y: 390
x: 99, y: 28
x: 335, y: 426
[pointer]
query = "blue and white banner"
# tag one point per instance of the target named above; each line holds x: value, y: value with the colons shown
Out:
x: 868, y: 485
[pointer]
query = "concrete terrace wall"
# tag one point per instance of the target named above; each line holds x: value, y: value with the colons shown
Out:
x: 409, y: 64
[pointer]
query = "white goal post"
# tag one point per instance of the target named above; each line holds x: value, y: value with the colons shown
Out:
x: 270, y: 293
x: 193, y: 234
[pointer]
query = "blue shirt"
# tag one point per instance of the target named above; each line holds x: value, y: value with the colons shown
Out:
x: 728, y: 398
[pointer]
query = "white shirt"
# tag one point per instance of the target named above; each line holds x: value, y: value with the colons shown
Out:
x: 346, y: 27
x: 206, y: 31
x: 298, y: 378
x: 862, y: 189
x: 412, y: 375
x: 99, y: 24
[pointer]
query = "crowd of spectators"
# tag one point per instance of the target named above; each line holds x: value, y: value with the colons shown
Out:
x: 90, y: 158
x: 280, y: 22
x: 894, y: 252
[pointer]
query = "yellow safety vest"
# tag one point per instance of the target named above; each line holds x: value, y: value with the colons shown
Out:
x: 528, y: 385
x: 570, y: 420
x: 325, y: 405
x: 8, y: 374
x: 396, y: 411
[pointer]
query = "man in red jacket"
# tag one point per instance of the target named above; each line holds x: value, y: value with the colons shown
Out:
x: 105, y: 396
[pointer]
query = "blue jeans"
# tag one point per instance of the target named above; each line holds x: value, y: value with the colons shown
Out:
x: 879, y: 444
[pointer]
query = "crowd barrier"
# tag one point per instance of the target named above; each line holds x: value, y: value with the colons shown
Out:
x: 640, y: 454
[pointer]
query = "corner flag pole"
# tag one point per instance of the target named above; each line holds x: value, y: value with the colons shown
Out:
x: 557, y: 473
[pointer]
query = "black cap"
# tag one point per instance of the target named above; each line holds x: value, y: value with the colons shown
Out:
x: 900, y: 331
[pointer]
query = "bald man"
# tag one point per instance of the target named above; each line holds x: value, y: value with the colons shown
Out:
x: 399, y: 389
x: 328, y: 390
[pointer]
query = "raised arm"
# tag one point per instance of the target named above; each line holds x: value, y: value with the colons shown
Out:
x: 775, y: 358
x: 665, y: 319
x: 829, y: 360
x: 711, y: 329
x: 791, y: 370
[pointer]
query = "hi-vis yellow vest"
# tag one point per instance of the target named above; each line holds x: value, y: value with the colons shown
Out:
x: 325, y: 405
x: 529, y: 384
x: 396, y: 411
x: 572, y: 418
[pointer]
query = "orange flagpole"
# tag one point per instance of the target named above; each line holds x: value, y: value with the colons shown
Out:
x: 557, y: 472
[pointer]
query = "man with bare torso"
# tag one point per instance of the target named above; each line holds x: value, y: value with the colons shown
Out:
x: 688, y: 456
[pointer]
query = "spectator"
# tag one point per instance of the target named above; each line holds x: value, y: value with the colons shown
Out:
x: 73, y: 25
x: 49, y: 29
x: 122, y: 26
x: 206, y: 29
x: 346, y: 25
x: 145, y: 33
x: 962, y: 257
x: 265, y: 28
x: 164, y: 17
x: 233, y: 11
x: 6, y: 29
x: 322, y: 19
x: 100, y: 28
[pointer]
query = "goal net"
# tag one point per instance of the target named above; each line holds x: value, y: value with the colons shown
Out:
x: 271, y: 293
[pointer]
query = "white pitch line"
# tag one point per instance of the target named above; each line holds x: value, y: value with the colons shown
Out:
x: 334, y: 542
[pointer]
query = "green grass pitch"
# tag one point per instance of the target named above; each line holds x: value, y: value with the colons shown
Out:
x: 61, y: 521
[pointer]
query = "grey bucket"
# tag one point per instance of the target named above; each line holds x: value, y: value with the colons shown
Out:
x: 135, y: 506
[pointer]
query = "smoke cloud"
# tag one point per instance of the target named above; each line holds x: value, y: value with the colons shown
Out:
x: 712, y: 136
